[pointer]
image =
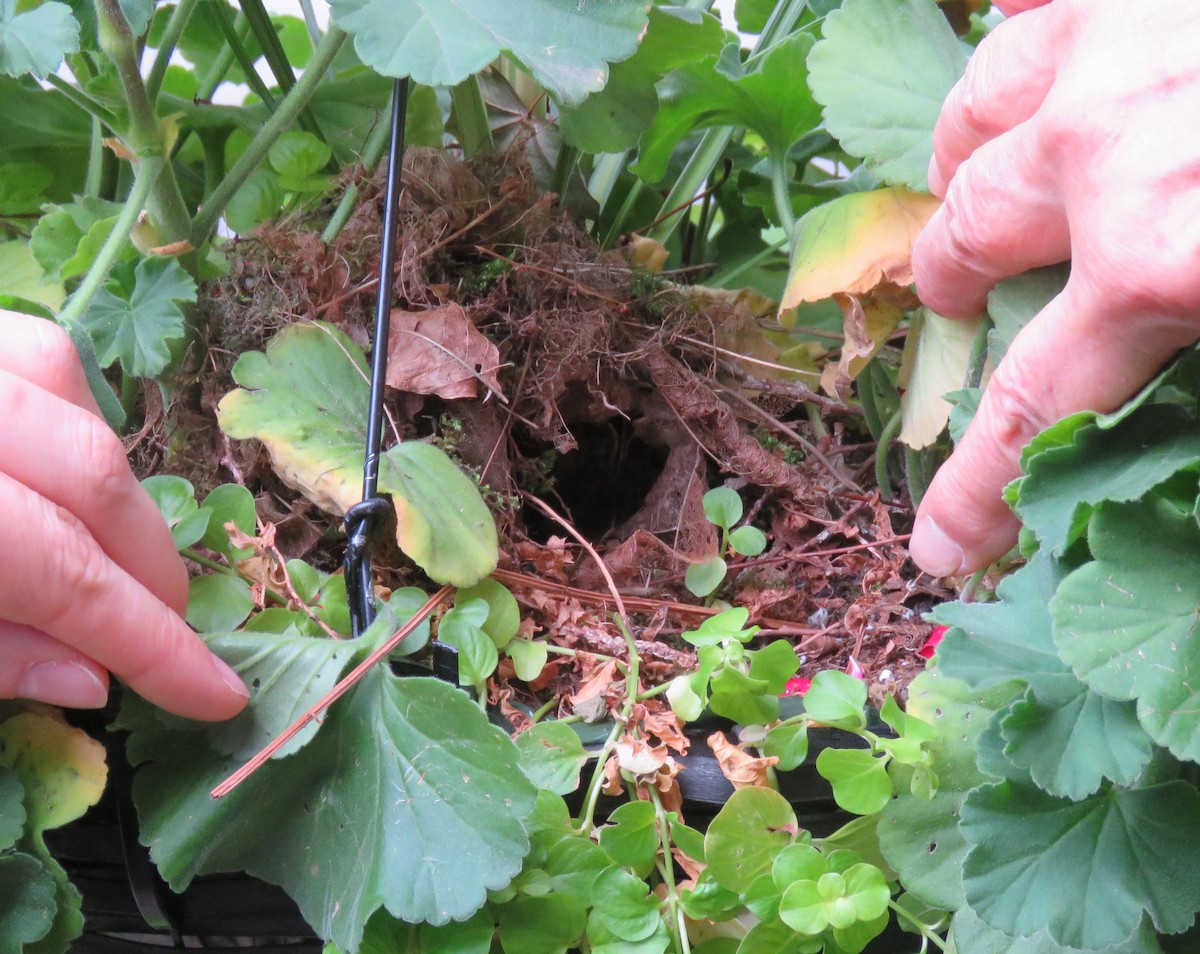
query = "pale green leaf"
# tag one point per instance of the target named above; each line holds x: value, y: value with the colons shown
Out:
x: 57, y: 239
x: 624, y: 905
x: 566, y: 44
x: 860, y: 780
x: 137, y: 330
x: 34, y: 39
x: 529, y: 657
x: 748, y: 541
x: 298, y: 154
x: 552, y: 756
x: 218, y: 602
x: 751, y: 828
x: 306, y: 400
x: 21, y: 277
x: 836, y: 698
x: 701, y: 579
x: 971, y: 935
x: 631, y: 837
x: 722, y: 506
x: 882, y: 71
x: 939, y: 366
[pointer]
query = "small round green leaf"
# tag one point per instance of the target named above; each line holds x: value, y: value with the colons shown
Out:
x: 218, y: 603
x: 701, y: 579
x: 552, y: 757
x: 631, y: 838
x: 753, y: 826
x: 860, y: 780
x: 722, y: 506
x: 504, y: 614
x: 748, y: 541
x: 27, y: 902
x: 789, y: 744
x: 529, y: 657
x: 541, y: 925
x: 624, y: 905
x: 836, y: 699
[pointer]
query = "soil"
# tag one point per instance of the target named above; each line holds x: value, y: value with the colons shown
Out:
x: 594, y: 390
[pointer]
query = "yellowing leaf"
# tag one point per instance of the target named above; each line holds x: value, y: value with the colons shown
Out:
x: 943, y: 349
x: 856, y: 243
x: 61, y: 767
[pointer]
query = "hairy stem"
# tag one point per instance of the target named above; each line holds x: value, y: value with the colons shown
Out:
x: 82, y: 100
x: 283, y: 117
x: 174, y: 30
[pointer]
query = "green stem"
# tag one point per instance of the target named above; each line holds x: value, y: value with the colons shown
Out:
x: 174, y: 30
x: 165, y: 202
x: 634, y: 670
x: 82, y: 100
x: 923, y: 929
x: 676, y: 924
x: 235, y: 42
x: 372, y: 152
x: 617, y: 225
x: 728, y: 279
x: 95, y: 169
x: 543, y: 709
x: 148, y: 171
x: 281, y: 119
x: 712, y: 144
x: 220, y: 66
x: 277, y: 59
x: 568, y: 159
x: 606, y: 170
x: 882, y: 480
x: 656, y: 691
x: 471, y: 118
x: 977, y: 360
x: 968, y: 592
x: 782, y: 195
x: 587, y: 818
x: 201, y: 560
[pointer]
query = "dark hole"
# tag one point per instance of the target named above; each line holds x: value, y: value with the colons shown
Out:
x: 932, y: 847
x: 603, y: 482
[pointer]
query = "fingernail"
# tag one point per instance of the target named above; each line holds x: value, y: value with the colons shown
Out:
x: 933, y: 550
x: 63, y: 684
x: 230, y: 678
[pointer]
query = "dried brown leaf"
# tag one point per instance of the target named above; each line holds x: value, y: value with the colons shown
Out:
x: 742, y: 769
x: 441, y: 352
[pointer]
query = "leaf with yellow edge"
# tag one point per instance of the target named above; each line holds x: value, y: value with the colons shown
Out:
x: 939, y: 364
x: 855, y: 243
x: 306, y: 400
x: 62, y: 768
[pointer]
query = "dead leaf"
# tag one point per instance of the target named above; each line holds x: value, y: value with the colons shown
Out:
x: 742, y: 769
x: 646, y: 252
x: 856, y: 243
x: 639, y: 758
x: 441, y: 352
x: 867, y: 324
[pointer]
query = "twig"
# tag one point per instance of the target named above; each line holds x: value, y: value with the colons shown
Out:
x: 291, y: 589
x: 332, y: 696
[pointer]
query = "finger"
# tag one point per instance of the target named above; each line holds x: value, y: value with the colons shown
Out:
x: 71, y: 457
x: 1002, y: 216
x: 1077, y: 354
x: 55, y: 578
x: 1013, y: 7
x: 1005, y: 82
x: 38, y: 667
x: 41, y: 352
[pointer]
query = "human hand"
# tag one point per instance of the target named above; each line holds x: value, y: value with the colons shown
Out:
x: 89, y: 578
x: 1071, y: 136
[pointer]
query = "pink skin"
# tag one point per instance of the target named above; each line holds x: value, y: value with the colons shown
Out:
x: 1070, y: 136
x: 90, y: 582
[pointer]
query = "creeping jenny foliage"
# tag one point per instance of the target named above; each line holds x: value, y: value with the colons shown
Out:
x: 1071, y: 820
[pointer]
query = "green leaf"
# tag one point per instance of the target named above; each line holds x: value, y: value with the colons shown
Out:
x: 743, y: 698
x: 229, y: 503
x: 12, y: 809
x: 529, y: 657
x: 882, y: 71
x: 775, y: 663
x: 837, y: 699
x: 23, y: 187
x: 552, y: 756
x: 406, y: 799
x: 920, y: 838
x: 631, y: 837
x: 1015, y: 301
x: 602, y: 940
x: 1069, y: 738
x: 57, y: 240
x: 613, y: 119
x: 625, y: 905
x: 35, y: 39
x: 299, y: 154
x: 137, y: 330
x: 771, y: 97
x: 748, y: 541
x: 1126, y: 622
x: 751, y: 828
x: 21, y: 277
x: 218, y: 602
x: 472, y: 936
x: 565, y: 45
x: 722, y: 506
x: 541, y: 925
x: 256, y: 201
x: 477, y: 656
x: 504, y: 615
x: 1092, y: 463
x: 1083, y: 871
x: 729, y: 624
x: 175, y: 498
x: 789, y: 744
x: 306, y: 399
x: 775, y: 937
x: 860, y: 780
x: 970, y: 933
x: 701, y: 579
x: 27, y: 901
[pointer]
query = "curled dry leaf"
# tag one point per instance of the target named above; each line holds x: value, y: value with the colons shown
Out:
x: 742, y: 769
x: 441, y: 352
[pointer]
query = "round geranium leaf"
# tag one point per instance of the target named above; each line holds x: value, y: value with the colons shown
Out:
x: 748, y: 832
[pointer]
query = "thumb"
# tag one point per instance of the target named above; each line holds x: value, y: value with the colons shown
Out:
x: 1011, y: 7
x: 1075, y: 355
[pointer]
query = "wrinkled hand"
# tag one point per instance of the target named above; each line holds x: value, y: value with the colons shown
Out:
x: 1073, y: 134
x: 89, y: 578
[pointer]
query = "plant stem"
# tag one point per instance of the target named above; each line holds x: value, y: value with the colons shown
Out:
x: 677, y: 925
x: 143, y: 137
x: 568, y: 159
x: 82, y: 100
x: 174, y: 30
x: 782, y: 195
x: 281, y: 119
x: 372, y: 152
x: 882, y: 480
x: 148, y: 171
x: 978, y: 357
x: 923, y: 929
x: 201, y: 560
x: 277, y: 59
x: 587, y: 816
x: 220, y: 66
